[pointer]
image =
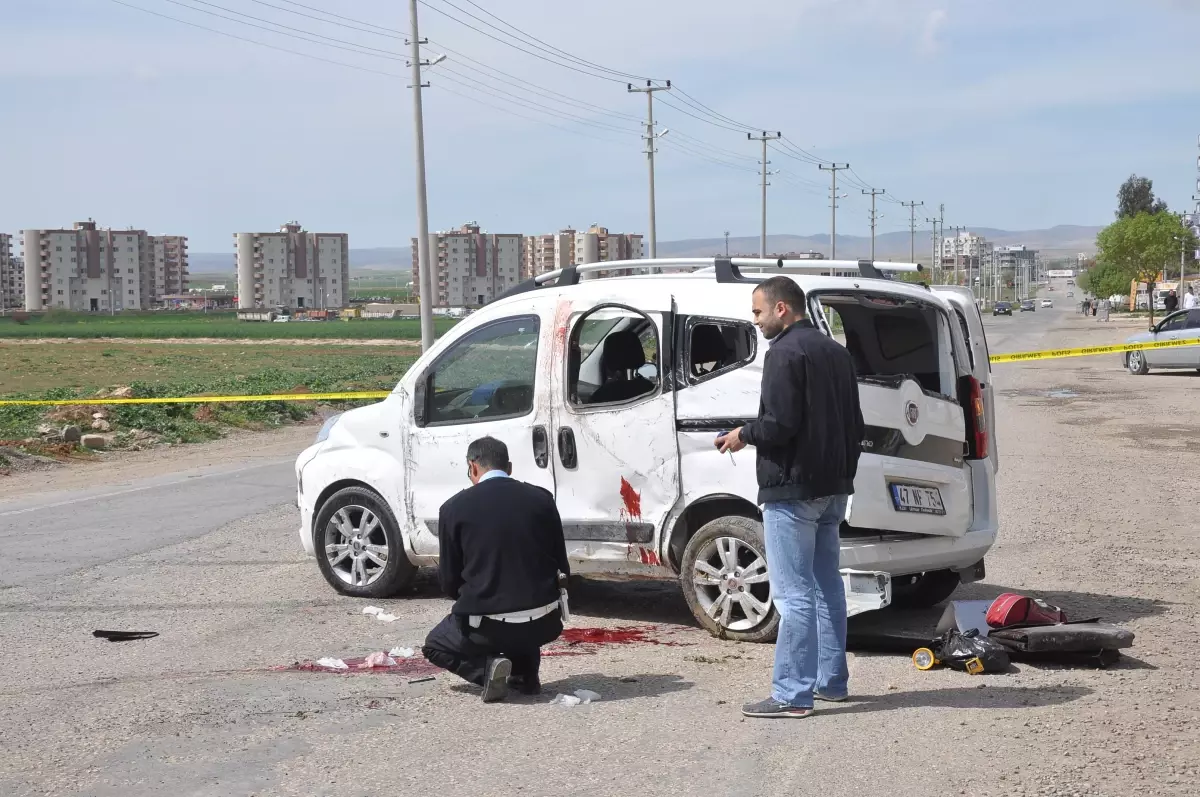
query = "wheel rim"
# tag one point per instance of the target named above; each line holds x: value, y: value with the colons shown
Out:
x: 731, y: 584
x: 1135, y: 360
x: 356, y: 545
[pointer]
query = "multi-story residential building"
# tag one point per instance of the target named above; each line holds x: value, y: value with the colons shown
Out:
x: 91, y: 269
x: 966, y: 250
x: 12, y: 276
x: 545, y: 253
x: 292, y: 268
x: 471, y: 267
x: 571, y: 247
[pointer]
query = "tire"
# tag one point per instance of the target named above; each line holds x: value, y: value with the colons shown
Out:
x: 356, y: 571
x: 1135, y: 361
x: 923, y: 590
x: 707, y: 556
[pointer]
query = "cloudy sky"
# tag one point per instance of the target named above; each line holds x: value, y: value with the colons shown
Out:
x: 1015, y: 115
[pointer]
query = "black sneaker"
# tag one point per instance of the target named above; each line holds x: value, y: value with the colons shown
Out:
x: 526, y: 685
x: 831, y: 698
x: 773, y: 709
x: 495, y: 688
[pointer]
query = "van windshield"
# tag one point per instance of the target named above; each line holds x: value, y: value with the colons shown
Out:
x: 890, y: 337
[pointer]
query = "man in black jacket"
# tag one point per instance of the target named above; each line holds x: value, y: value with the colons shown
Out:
x: 809, y: 435
x: 502, y: 558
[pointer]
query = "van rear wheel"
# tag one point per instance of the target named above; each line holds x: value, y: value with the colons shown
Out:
x: 725, y: 582
x: 922, y: 590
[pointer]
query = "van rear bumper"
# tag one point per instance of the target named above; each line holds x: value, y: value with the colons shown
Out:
x: 917, y: 554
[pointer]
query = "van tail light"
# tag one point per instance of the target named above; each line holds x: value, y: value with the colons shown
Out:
x: 976, y: 417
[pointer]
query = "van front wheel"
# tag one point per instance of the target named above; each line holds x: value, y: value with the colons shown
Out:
x: 725, y: 582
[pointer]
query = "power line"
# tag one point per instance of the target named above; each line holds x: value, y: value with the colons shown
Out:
x: 508, y: 43
x: 388, y: 31
x: 313, y: 38
x: 511, y: 112
x: 702, y: 119
x: 256, y: 42
x: 533, y: 39
x: 701, y: 106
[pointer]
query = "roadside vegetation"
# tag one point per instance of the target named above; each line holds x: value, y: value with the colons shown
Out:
x: 64, y: 371
x: 223, y: 325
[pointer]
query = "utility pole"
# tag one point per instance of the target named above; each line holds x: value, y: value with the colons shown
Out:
x: 424, y: 268
x: 727, y: 243
x: 874, y: 192
x: 935, y: 266
x: 764, y: 138
x: 957, y: 242
x: 833, y: 169
x: 650, y: 138
x: 912, y: 228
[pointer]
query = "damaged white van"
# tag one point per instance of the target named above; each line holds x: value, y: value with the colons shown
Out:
x: 609, y: 383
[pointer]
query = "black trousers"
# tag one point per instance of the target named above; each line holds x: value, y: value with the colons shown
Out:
x: 454, y: 646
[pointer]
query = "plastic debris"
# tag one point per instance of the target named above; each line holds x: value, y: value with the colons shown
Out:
x: 332, y: 664
x: 565, y: 700
x: 586, y: 695
x: 124, y: 636
x: 380, y: 614
x: 421, y: 680
x: 379, y: 659
x: 402, y: 653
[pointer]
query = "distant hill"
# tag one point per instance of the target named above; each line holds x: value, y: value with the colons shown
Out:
x: 1065, y: 240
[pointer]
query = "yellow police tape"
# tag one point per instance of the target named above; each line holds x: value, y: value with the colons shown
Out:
x: 1086, y: 351
x: 1015, y: 357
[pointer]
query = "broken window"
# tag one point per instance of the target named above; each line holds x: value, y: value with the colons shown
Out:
x: 613, y: 357
x: 715, y: 347
x: 888, y: 336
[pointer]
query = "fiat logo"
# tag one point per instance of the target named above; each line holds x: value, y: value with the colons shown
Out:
x: 911, y: 413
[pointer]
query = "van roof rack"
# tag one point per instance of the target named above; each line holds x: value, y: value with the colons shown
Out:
x: 726, y: 269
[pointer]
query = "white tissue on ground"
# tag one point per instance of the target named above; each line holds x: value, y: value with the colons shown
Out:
x: 581, y: 696
x: 332, y: 664
x: 402, y: 653
x: 379, y: 659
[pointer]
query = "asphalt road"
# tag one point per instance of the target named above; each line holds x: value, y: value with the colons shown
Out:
x: 210, y: 561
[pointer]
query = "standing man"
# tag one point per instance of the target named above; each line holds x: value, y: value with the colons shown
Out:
x: 1171, y: 303
x: 1189, y: 299
x: 809, y: 436
x: 502, y: 560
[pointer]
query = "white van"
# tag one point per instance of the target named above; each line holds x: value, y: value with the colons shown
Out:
x: 610, y: 392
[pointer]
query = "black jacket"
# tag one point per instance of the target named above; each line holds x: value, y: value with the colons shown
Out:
x: 809, y: 429
x: 501, y: 545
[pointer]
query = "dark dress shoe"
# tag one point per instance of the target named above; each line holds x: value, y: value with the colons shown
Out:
x: 526, y: 685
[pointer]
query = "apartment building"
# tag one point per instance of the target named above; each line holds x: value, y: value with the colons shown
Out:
x: 12, y: 276
x: 965, y: 249
x: 292, y: 268
x: 90, y: 269
x: 471, y: 267
x: 170, y: 271
x: 571, y: 247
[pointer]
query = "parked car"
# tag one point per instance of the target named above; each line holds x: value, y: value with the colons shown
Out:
x: 610, y: 393
x: 1183, y: 325
x: 1070, y: 294
x: 1002, y: 308
x: 1047, y: 303
x: 1027, y: 305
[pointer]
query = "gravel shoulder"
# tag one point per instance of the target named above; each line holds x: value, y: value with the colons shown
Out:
x: 1098, y: 514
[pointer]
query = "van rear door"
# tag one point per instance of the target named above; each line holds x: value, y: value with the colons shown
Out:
x: 912, y: 475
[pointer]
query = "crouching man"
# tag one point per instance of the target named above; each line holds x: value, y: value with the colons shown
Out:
x: 501, y: 560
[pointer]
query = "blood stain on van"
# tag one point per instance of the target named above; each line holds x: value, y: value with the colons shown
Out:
x: 649, y: 557
x: 632, y: 500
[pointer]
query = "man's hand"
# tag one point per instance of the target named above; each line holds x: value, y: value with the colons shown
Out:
x: 731, y: 442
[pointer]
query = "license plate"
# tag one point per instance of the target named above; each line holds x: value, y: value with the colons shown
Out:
x: 913, y: 498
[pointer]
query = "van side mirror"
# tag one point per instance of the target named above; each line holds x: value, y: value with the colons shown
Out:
x: 420, y: 400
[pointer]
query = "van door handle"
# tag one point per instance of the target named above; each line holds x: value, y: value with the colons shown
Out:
x: 566, y: 447
x: 541, y: 447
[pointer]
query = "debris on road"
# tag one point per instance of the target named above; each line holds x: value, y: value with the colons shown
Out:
x: 581, y: 696
x: 124, y: 636
x: 379, y: 614
x: 402, y: 653
x: 356, y: 665
x: 332, y: 664
x: 379, y: 659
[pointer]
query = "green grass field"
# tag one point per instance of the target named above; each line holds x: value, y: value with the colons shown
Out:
x: 57, y: 324
x: 79, y: 370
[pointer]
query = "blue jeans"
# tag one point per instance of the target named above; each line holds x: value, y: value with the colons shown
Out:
x: 803, y: 557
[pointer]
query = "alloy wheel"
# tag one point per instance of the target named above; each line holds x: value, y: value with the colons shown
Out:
x: 731, y: 584
x: 356, y: 545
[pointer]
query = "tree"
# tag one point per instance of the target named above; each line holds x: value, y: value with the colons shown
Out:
x: 1139, y: 248
x: 1136, y: 195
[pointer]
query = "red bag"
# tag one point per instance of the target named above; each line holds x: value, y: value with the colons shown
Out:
x: 1011, y: 609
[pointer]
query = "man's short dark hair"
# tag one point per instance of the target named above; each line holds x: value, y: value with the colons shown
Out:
x: 489, y: 453
x: 783, y: 289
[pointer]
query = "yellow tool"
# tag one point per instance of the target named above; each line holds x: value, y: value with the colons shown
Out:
x: 924, y: 659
